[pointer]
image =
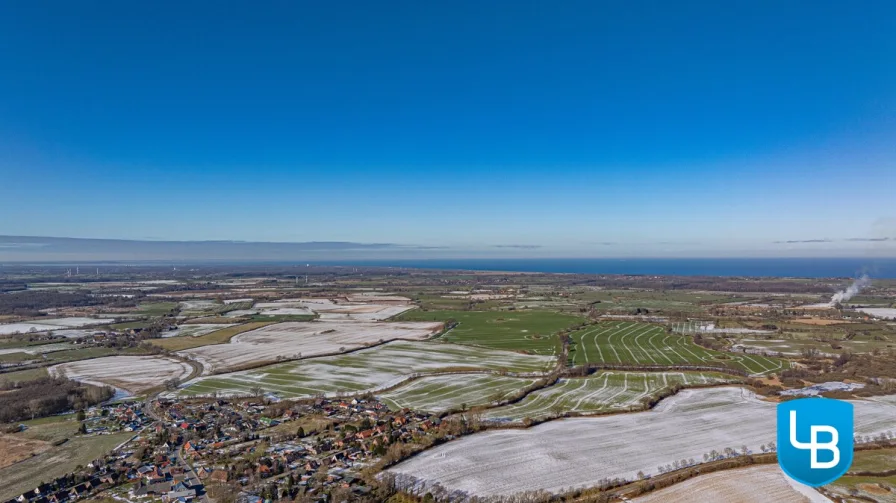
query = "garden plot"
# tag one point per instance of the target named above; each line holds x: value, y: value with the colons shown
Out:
x: 738, y: 486
x: 622, y: 342
x: 131, y: 373
x: 304, y: 339
x: 195, y: 330
x: 605, y: 392
x: 366, y: 370
x: 453, y: 391
x: 578, y: 452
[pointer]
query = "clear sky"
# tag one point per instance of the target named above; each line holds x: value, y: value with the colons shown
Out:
x: 504, y: 128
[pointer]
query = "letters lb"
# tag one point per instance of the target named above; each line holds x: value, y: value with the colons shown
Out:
x: 815, y: 439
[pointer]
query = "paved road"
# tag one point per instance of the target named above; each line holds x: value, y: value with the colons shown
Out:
x: 177, y: 458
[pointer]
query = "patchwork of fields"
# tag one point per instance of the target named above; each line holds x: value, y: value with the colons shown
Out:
x: 369, y: 369
x: 607, y: 391
x: 452, y: 391
x: 529, y: 331
x: 626, y: 342
x: 304, y: 339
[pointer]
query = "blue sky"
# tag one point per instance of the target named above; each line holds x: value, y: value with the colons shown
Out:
x: 578, y: 129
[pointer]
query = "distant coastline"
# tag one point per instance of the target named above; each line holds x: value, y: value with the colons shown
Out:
x: 748, y: 267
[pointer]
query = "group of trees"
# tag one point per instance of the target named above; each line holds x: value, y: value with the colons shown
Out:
x: 47, y: 396
x: 30, y: 302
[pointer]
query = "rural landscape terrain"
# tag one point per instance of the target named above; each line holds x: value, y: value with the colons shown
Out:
x: 251, y: 384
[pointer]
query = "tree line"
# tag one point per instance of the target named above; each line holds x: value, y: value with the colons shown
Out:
x: 47, y: 396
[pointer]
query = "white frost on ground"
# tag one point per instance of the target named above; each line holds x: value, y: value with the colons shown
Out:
x: 287, y: 311
x: 365, y: 309
x: 766, y: 483
x: 237, y: 301
x: 41, y: 349
x: 311, y: 338
x: 44, y: 325
x: 371, y: 369
x: 131, y: 373
x: 195, y: 330
x: 578, y: 452
x: 817, y: 389
x: 887, y: 313
x: 198, y: 305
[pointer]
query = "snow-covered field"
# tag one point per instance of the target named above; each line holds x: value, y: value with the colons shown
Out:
x: 451, y: 391
x: 195, y: 330
x: 366, y: 370
x: 608, y: 391
x: 887, y: 313
x: 363, y: 308
x: 198, y: 305
x: 738, y: 486
x: 311, y: 338
x: 578, y: 452
x: 131, y: 373
x: 41, y: 349
x: 237, y: 301
x: 44, y: 325
x: 287, y: 311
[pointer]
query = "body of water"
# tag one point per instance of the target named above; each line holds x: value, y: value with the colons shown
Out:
x: 752, y: 267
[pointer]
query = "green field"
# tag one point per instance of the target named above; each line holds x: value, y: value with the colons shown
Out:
x: 626, y: 342
x: 529, y: 331
x: 449, y: 392
x: 156, y: 308
x: 602, y: 392
x: 24, y: 375
x: 367, y: 369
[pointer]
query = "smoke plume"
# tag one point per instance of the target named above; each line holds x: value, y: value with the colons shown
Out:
x: 854, y: 288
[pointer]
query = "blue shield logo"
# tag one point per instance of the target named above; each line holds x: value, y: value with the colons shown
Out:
x: 815, y: 439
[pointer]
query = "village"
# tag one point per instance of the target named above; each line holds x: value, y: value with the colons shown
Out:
x: 243, y: 450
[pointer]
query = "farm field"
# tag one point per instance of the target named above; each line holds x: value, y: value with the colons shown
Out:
x: 43, y: 325
x: 132, y: 373
x: 217, y: 337
x: 449, y: 392
x: 55, y: 462
x: 195, y: 330
x: 530, y: 331
x: 578, y: 452
x: 70, y: 355
x: 359, y: 307
x: 303, y: 339
x: 626, y: 342
x: 603, y: 392
x: 368, y: 369
x: 738, y: 486
x: 38, y: 349
x: 23, y: 375
x: 868, y: 486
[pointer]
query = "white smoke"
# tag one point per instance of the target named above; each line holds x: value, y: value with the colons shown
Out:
x: 854, y: 288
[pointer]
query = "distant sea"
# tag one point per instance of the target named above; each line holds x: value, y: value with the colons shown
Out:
x: 750, y: 267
